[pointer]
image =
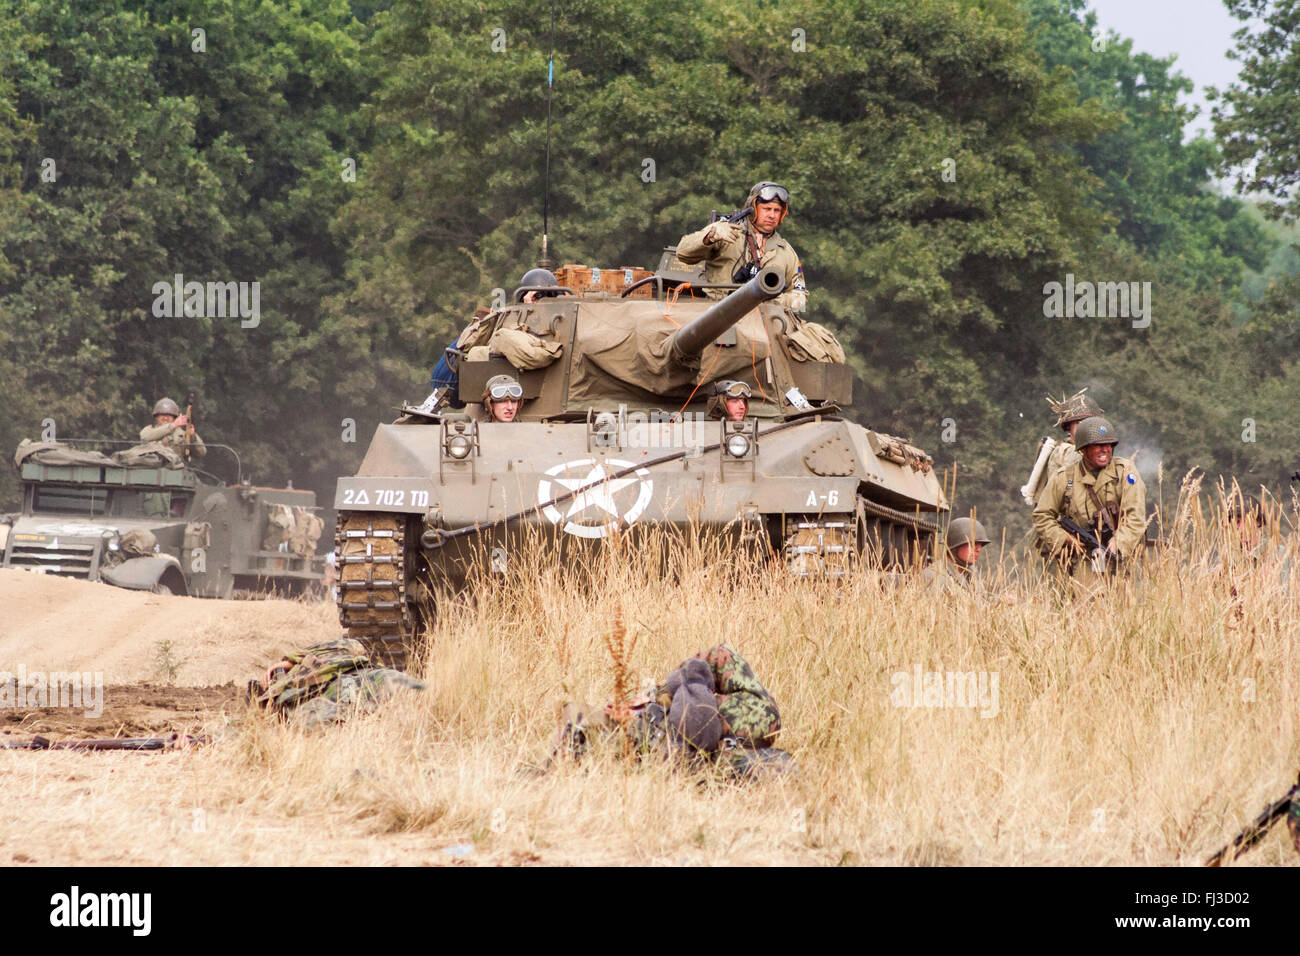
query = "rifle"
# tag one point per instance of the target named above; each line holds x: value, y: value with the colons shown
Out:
x: 1096, y: 548
x: 171, y: 742
x: 189, y: 424
x: 739, y: 216
x: 1258, y: 829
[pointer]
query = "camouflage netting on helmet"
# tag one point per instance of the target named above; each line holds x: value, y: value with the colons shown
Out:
x: 328, y: 682
x: 55, y: 453
x: 150, y: 454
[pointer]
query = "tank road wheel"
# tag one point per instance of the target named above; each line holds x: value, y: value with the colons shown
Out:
x: 372, y: 585
x: 820, y: 547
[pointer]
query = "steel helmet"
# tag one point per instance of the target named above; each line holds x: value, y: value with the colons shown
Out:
x: 1095, y: 431
x: 964, y: 531
x: 166, y: 406
x: 1074, y: 409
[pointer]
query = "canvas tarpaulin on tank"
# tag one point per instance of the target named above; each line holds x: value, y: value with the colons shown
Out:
x: 149, y: 455
x: 625, y: 355
x: 55, y: 453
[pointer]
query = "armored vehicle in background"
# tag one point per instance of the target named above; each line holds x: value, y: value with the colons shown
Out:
x: 141, y: 517
x: 615, y: 433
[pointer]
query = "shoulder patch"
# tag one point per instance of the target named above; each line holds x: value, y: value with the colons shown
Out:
x: 1131, y: 479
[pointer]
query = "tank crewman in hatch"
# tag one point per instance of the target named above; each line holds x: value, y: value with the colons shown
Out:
x: 171, y: 427
x: 731, y: 400
x: 502, y: 398
x: 1100, y: 492
x: 444, y: 380
x: 735, y: 252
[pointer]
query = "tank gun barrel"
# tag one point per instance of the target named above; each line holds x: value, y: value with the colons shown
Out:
x: 690, y: 339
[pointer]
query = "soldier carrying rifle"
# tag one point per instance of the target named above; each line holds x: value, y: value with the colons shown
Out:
x: 1101, y: 496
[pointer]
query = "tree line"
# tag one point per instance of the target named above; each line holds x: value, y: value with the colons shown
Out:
x: 377, y: 168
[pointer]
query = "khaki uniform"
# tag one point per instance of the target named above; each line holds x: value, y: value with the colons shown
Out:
x: 173, y: 435
x: 1063, y: 456
x: 950, y: 578
x: 1067, y: 495
x: 721, y: 259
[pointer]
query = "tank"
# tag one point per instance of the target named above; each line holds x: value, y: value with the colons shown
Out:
x: 616, y: 432
x: 140, y: 516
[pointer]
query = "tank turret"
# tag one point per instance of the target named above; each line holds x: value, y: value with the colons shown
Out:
x: 688, y: 341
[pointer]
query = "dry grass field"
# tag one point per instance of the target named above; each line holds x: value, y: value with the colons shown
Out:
x: 1142, y: 723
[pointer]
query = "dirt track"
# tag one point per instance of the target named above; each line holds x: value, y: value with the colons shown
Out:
x: 50, y: 624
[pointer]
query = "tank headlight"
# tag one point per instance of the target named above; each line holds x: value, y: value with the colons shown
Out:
x: 737, y: 446
x: 459, y: 447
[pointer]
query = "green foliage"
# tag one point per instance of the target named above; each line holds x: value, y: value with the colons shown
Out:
x: 1259, y: 119
x: 947, y: 159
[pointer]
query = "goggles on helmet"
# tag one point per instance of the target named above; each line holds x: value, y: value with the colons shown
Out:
x: 771, y: 192
x: 735, y: 390
x: 500, y: 393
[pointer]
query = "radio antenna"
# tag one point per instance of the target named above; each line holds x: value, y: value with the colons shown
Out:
x: 545, y: 261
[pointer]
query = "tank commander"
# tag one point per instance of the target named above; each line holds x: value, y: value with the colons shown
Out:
x: 736, y: 252
x: 1102, y: 494
x: 731, y: 400
x: 502, y: 398
x: 172, y: 428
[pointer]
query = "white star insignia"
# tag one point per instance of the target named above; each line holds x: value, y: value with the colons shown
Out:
x: 596, y: 489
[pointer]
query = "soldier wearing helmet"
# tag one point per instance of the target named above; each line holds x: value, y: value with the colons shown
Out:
x: 730, y: 401
x: 735, y: 252
x: 172, y: 428
x: 1100, y: 492
x: 502, y: 398
x: 964, y: 540
x: 1069, y: 412
x: 538, y: 277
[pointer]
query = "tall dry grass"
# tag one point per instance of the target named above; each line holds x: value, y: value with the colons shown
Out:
x: 1141, y: 722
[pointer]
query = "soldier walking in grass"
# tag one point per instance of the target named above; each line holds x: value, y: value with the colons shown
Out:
x: 1069, y: 412
x: 1102, y: 495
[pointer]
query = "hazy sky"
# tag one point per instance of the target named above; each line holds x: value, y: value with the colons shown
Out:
x: 1198, y: 31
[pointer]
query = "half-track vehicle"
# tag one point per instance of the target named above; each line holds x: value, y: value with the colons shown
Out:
x: 615, y: 433
x: 140, y: 516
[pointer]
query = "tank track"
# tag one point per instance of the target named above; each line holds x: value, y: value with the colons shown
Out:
x: 371, y: 550
x: 820, y: 547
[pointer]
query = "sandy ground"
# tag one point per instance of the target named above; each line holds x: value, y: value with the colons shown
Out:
x: 49, y: 623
